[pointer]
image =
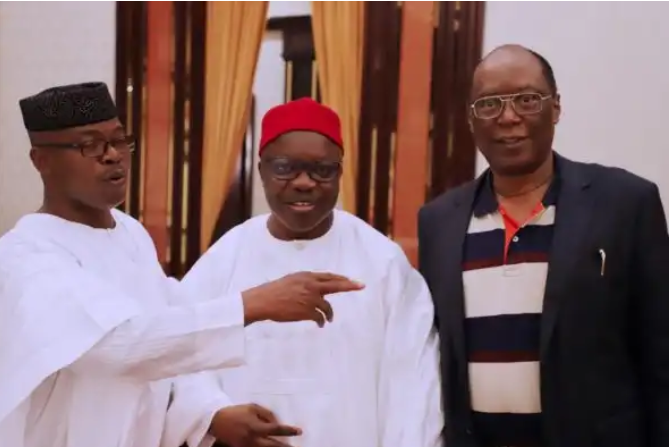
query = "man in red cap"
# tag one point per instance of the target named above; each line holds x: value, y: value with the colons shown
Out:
x: 369, y: 376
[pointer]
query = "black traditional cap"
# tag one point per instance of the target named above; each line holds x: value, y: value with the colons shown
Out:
x: 68, y: 106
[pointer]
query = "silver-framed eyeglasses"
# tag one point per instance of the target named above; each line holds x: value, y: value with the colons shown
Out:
x: 98, y: 147
x: 491, y: 107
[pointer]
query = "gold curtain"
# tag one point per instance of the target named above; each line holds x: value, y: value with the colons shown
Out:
x: 234, y: 34
x: 338, y: 29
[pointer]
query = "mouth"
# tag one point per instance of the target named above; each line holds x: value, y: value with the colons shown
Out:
x: 301, y: 207
x: 511, y: 141
x: 117, y: 177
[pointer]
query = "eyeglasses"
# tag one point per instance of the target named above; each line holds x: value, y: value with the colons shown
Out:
x: 286, y: 169
x: 98, y: 147
x: 523, y: 104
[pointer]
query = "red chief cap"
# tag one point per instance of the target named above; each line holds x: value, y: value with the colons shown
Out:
x: 303, y: 114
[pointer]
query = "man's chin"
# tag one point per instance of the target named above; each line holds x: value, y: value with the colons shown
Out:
x: 513, y: 170
x: 516, y: 166
x: 304, y: 225
x: 114, y: 201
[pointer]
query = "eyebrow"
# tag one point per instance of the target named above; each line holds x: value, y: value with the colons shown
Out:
x: 94, y: 132
x: 522, y: 89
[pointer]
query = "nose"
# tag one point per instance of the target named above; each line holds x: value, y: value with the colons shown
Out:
x: 111, y: 156
x: 303, y: 182
x: 508, y: 115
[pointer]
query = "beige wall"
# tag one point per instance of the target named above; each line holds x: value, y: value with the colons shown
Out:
x: 609, y: 59
x: 611, y: 66
x: 43, y: 44
x: 612, y: 70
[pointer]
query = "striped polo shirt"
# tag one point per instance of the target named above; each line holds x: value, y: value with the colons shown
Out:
x: 504, y: 276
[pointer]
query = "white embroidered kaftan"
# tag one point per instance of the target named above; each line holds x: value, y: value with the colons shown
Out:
x: 92, y: 334
x: 370, y: 378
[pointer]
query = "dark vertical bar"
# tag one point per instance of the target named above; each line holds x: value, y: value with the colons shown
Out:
x: 387, y: 100
x: 301, y: 79
x: 473, y: 47
x: 298, y: 50
x: 198, y: 41
x: 379, y: 89
x: 138, y: 46
x: 443, y: 98
x: 480, y: 22
x: 457, y: 50
x: 122, y: 27
x: 180, y: 80
x: 247, y: 187
x: 460, y: 128
x: 363, y: 182
x: 467, y: 39
x: 123, y: 10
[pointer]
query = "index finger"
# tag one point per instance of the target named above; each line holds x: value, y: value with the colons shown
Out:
x: 338, y: 286
x: 270, y: 429
x: 268, y: 442
x: 326, y: 277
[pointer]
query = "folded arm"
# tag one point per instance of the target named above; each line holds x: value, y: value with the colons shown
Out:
x: 410, y: 389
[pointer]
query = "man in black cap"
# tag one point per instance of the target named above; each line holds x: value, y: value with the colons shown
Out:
x: 92, y: 332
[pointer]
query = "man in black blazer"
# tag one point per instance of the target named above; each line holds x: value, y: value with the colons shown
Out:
x: 550, y: 280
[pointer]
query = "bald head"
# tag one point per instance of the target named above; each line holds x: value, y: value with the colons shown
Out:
x: 512, y: 55
x: 514, y: 110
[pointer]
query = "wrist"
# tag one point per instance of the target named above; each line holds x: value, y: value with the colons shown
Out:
x: 253, y: 308
x: 219, y: 429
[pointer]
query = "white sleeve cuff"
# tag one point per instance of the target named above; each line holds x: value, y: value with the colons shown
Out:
x: 197, y: 398
x: 200, y: 437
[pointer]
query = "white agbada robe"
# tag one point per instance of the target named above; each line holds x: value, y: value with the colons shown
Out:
x: 370, y: 378
x: 92, y: 334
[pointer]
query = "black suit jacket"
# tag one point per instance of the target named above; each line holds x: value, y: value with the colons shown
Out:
x: 604, y: 339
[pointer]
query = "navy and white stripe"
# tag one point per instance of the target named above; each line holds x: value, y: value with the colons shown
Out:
x: 503, y: 303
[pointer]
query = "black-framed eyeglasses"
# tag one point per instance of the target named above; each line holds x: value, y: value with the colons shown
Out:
x: 286, y: 169
x: 491, y: 107
x: 98, y: 147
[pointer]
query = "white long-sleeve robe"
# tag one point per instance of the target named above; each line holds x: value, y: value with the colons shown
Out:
x: 369, y: 379
x: 93, y: 334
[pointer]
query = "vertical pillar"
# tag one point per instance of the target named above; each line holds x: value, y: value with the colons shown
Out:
x: 158, y: 125
x: 413, y: 123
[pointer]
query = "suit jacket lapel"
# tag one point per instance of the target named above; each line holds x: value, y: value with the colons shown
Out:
x: 575, y: 205
x: 574, y: 210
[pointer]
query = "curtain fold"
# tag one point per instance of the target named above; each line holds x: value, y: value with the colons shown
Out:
x: 234, y: 35
x: 338, y: 29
